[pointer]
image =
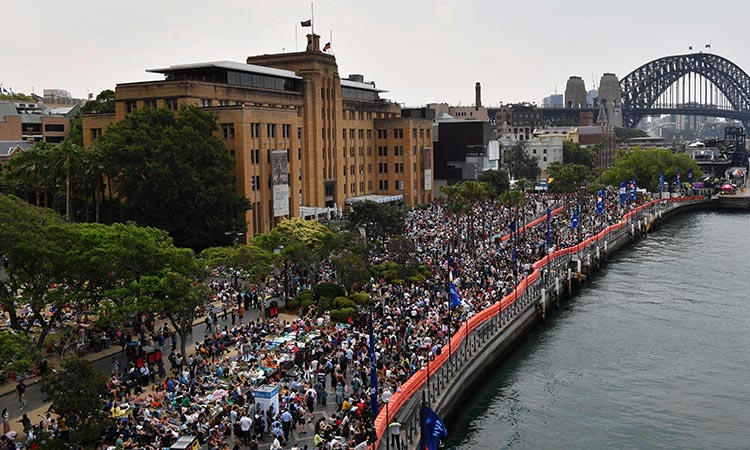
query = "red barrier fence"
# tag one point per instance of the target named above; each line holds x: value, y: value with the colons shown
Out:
x: 417, y: 381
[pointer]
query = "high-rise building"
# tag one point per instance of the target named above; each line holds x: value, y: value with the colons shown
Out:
x: 305, y: 141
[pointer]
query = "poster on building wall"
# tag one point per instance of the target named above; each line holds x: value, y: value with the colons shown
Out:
x: 280, y: 182
x: 427, y: 164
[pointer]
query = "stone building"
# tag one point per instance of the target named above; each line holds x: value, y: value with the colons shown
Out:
x: 305, y: 141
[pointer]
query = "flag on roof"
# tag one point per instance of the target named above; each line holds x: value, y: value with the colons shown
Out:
x: 306, y: 23
x: 327, y: 47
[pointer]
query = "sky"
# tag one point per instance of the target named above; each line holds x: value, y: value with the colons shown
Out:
x: 419, y: 51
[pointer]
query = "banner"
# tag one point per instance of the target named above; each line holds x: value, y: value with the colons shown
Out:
x: 600, y: 201
x: 427, y: 164
x: 549, y: 231
x: 677, y: 182
x: 623, y: 193
x: 633, y: 190
x: 280, y: 181
x: 574, y: 219
x: 661, y: 181
x: 690, y: 176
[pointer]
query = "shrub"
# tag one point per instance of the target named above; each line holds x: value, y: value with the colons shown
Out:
x: 360, y: 298
x: 330, y: 290
x: 343, y: 302
x: 342, y: 315
x: 306, y: 304
x: 323, y: 304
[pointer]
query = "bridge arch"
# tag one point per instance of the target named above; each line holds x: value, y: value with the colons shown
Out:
x: 642, y: 87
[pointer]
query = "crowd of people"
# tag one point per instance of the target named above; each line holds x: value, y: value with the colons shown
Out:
x: 217, y: 392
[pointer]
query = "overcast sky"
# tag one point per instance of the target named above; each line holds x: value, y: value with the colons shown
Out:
x: 420, y: 51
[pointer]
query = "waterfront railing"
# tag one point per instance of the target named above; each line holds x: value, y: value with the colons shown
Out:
x: 546, y: 279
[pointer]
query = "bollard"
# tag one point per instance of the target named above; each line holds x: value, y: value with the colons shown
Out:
x: 557, y: 291
x: 579, y: 263
x: 570, y: 282
x: 598, y: 258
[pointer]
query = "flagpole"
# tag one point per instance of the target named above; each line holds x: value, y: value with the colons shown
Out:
x: 312, y: 18
x: 330, y: 39
x: 296, y: 41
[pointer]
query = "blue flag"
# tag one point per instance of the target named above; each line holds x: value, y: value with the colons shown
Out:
x: 549, y: 231
x: 373, y: 372
x: 677, y: 182
x: 574, y: 219
x: 455, y: 300
x: 661, y: 181
x: 690, y: 176
x: 600, y: 201
x: 434, y: 429
x: 633, y: 190
x: 512, y: 227
x: 623, y: 193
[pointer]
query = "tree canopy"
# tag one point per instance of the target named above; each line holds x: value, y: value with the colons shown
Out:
x: 110, y: 270
x: 573, y: 153
x: 519, y: 164
x: 644, y: 166
x: 104, y: 103
x: 498, y: 179
x: 77, y: 394
x: 380, y: 220
x: 169, y: 172
x: 567, y: 177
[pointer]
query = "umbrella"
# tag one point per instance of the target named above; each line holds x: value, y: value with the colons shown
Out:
x: 727, y: 187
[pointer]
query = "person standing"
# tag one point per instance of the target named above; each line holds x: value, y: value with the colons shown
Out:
x: 21, y: 393
x: 246, y: 424
x: 395, y: 428
x: 6, y: 421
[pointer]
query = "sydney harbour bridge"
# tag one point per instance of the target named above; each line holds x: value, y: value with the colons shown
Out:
x: 695, y: 84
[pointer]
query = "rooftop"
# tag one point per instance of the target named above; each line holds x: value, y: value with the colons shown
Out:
x: 229, y: 65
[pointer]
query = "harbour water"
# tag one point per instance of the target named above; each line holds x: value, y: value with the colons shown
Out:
x: 653, y: 353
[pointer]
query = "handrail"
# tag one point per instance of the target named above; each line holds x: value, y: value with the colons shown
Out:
x: 417, y: 381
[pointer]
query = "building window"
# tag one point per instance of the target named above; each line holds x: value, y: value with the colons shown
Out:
x: 54, y: 127
x: 206, y: 102
x: 227, y: 130
x: 255, y: 130
x: 299, y: 154
x: 286, y: 131
x: 343, y: 133
x: 170, y: 103
x: 369, y: 134
x: 131, y: 107
x: 271, y: 130
x: 149, y: 103
x: 299, y: 133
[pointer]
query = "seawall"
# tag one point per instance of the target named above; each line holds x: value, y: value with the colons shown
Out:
x: 481, y: 342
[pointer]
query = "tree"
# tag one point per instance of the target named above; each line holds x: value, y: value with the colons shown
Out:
x: 519, y: 163
x: 17, y: 352
x: 169, y: 172
x: 644, y: 166
x: 77, y: 394
x: 567, y: 177
x: 462, y: 197
x: 498, y: 179
x: 573, y: 153
x: 175, y: 296
x: 351, y: 270
x: 103, y: 104
x: 402, y: 251
x: 256, y: 262
x: 380, y: 220
x: 33, y: 242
